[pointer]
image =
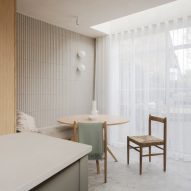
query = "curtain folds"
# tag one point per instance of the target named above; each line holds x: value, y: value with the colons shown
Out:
x: 148, y: 71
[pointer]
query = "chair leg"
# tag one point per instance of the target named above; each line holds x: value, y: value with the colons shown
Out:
x: 75, y: 132
x: 149, y: 153
x: 164, y: 159
x: 141, y: 152
x: 105, y: 169
x: 98, y: 166
x: 128, y: 150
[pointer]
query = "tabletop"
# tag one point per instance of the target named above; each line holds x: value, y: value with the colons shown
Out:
x: 111, y: 120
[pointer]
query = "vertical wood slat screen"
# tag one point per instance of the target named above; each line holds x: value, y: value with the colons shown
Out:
x: 7, y: 66
x: 49, y: 86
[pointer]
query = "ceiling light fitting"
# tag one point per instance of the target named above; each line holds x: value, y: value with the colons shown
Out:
x: 77, y: 21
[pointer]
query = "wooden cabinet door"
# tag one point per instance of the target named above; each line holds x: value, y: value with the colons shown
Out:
x: 7, y: 66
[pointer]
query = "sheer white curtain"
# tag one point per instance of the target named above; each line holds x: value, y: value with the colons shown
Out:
x: 148, y: 71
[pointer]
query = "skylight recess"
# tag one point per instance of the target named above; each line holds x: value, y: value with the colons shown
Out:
x: 148, y: 17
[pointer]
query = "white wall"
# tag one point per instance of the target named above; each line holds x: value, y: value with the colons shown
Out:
x: 48, y: 84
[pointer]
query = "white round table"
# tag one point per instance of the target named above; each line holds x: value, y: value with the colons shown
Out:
x: 109, y: 119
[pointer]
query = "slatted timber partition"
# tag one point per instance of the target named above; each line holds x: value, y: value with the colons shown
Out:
x: 7, y: 66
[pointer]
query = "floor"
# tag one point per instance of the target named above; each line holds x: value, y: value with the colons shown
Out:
x: 122, y: 177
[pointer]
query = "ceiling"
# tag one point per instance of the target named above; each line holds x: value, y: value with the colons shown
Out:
x: 156, y: 15
x: 90, y: 12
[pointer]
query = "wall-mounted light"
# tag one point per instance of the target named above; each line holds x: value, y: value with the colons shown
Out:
x: 81, y: 67
x: 81, y: 54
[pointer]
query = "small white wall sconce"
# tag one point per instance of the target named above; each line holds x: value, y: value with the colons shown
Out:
x: 81, y: 54
x: 81, y: 67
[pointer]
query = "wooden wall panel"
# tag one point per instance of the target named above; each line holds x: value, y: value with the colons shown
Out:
x: 7, y: 66
x: 48, y: 83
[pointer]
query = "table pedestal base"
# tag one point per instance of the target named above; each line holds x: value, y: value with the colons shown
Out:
x: 113, y: 156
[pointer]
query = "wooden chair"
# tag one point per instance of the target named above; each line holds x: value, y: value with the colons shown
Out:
x: 149, y: 141
x: 89, y: 133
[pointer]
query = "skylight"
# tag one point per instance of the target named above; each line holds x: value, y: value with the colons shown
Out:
x: 155, y: 15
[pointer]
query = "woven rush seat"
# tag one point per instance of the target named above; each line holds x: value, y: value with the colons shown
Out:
x: 146, y: 139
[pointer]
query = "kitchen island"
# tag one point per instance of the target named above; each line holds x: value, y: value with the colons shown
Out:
x: 32, y: 161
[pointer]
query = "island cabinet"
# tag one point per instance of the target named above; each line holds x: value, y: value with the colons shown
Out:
x: 31, y: 161
x: 72, y: 178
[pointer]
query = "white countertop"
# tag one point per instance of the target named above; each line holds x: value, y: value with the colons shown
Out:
x: 27, y: 159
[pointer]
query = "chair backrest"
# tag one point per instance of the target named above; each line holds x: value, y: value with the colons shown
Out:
x: 160, y: 120
x: 94, y: 134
